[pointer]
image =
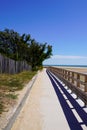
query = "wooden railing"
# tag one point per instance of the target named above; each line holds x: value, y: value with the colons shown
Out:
x: 76, y: 81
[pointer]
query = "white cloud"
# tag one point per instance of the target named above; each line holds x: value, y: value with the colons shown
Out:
x: 68, y: 57
x: 66, y: 60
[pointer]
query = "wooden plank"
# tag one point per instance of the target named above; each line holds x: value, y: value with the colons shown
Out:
x: 85, y: 83
x: 78, y: 79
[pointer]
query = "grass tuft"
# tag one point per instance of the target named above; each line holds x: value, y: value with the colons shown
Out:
x: 1, y: 108
x: 12, y: 96
x: 11, y: 83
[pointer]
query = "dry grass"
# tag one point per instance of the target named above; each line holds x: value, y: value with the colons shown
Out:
x: 11, y: 83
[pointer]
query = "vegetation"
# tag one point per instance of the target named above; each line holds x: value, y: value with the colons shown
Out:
x: 16, y: 81
x: 23, y: 47
x: 9, y: 84
x: 1, y: 107
x: 20, y: 48
x: 13, y: 96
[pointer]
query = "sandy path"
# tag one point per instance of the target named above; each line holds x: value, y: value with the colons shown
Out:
x: 42, y: 110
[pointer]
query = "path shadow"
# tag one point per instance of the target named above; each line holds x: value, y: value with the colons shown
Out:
x: 71, y: 119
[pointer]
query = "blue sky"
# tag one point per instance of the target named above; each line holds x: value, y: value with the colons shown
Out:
x: 61, y: 23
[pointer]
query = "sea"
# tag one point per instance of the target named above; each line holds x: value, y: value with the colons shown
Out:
x: 76, y: 66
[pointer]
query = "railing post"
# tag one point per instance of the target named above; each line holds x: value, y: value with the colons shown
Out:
x: 72, y: 77
x: 85, y: 83
x: 78, y: 78
x: 65, y: 74
x: 68, y: 75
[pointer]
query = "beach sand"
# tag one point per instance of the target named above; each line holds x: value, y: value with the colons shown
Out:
x: 75, y: 69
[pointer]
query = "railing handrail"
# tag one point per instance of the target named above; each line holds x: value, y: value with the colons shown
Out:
x: 81, y: 74
x: 73, y: 80
x: 70, y: 71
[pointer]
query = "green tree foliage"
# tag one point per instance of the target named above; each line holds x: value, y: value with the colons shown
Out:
x: 22, y: 47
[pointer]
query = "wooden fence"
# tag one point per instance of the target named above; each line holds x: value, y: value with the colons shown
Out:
x: 10, y: 66
x: 77, y: 82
